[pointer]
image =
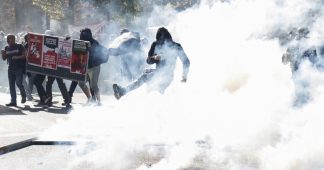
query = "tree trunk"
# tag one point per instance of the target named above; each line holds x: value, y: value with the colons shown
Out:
x: 48, y: 20
x: 20, y: 12
x: 71, y: 11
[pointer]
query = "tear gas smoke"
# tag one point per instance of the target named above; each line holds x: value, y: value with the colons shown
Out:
x: 235, y: 111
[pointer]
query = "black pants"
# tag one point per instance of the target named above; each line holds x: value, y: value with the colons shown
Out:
x: 38, y: 82
x: 62, y: 87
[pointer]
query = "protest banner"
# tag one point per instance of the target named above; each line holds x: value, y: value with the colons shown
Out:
x: 57, y: 56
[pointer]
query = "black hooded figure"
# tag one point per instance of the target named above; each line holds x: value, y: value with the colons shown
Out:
x: 164, y: 53
x: 97, y: 56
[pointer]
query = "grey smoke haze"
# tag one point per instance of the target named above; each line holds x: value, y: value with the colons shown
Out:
x: 233, y: 113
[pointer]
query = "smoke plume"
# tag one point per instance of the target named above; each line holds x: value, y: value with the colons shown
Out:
x: 234, y: 112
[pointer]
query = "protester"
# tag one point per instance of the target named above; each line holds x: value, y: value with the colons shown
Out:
x: 16, y: 58
x: 60, y: 82
x: 164, y: 53
x: 89, y: 94
x: 98, y: 55
x: 28, y: 86
x: 128, y: 48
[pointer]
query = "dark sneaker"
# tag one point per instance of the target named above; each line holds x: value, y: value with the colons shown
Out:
x: 40, y: 104
x: 68, y: 106
x: 30, y: 99
x: 49, y: 103
x: 118, y: 91
x: 23, y: 100
x: 66, y: 102
x: 11, y: 104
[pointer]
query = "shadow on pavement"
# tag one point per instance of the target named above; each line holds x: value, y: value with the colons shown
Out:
x: 4, y: 110
x: 52, y: 109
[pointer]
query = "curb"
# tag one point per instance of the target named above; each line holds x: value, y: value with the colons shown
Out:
x: 30, y: 142
x: 16, y: 146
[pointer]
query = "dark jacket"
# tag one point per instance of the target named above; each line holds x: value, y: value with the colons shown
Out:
x: 98, y: 54
x: 165, y: 47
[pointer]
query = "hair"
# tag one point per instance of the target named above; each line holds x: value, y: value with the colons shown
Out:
x: 11, y: 35
x: 163, y: 34
x: 85, y: 30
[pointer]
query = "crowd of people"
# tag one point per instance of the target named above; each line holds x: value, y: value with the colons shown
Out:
x: 163, y: 53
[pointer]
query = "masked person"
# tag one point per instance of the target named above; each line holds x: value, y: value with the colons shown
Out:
x: 15, y: 54
x: 164, y: 53
x: 89, y: 93
x: 98, y: 55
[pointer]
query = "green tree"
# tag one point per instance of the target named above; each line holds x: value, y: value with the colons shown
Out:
x: 54, y: 9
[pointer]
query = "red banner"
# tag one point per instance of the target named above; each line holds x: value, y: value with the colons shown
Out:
x: 35, y: 48
x: 58, y: 57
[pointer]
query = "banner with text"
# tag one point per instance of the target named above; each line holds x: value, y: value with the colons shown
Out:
x: 57, y: 56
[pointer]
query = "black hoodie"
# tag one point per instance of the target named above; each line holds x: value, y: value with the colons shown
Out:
x: 98, y: 53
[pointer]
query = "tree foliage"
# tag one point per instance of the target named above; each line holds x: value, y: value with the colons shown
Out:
x: 55, y: 8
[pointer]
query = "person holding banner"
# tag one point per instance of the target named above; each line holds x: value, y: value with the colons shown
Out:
x: 83, y: 86
x: 15, y: 55
x: 30, y: 85
x: 98, y: 55
x: 60, y: 83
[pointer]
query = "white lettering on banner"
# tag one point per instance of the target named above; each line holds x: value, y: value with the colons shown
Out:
x: 80, y: 45
x: 51, y: 41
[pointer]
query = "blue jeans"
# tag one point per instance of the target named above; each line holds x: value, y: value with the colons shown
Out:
x: 15, y: 76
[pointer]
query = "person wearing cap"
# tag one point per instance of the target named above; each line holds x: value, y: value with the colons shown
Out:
x: 15, y: 54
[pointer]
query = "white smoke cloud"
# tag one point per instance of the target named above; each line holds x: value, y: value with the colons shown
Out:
x: 235, y: 111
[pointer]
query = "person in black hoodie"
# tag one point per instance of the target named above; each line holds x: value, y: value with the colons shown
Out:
x: 163, y: 52
x: 97, y: 56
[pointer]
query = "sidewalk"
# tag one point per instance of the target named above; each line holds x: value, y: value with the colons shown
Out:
x: 26, y: 121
